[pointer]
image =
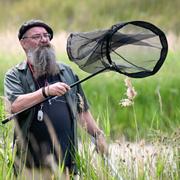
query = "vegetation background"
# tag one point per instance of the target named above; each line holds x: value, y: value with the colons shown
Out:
x: 156, y: 107
x: 72, y: 15
x: 156, y: 111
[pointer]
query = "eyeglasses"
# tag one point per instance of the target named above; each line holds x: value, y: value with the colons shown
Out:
x: 38, y: 37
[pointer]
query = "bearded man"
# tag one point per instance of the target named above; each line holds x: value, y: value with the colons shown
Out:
x: 46, y: 135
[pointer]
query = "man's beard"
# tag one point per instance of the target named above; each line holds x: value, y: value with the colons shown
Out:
x: 43, y: 60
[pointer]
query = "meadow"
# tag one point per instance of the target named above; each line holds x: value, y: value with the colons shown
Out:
x: 152, y: 119
x: 144, y: 138
x: 156, y: 106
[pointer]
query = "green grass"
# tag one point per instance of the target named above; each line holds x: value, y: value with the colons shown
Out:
x: 137, y: 164
x: 85, y: 15
x: 6, y: 155
x: 156, y: 105
x: 153, y: 117
x: 156, y: 111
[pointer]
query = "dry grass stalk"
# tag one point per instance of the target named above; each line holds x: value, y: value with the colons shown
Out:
x: 130, y: 93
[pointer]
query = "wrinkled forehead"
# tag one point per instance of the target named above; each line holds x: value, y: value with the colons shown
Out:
x: 35, y: 30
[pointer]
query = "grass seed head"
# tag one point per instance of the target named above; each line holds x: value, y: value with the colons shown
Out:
x: 130, y: 93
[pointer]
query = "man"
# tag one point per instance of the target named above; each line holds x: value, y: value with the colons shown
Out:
x: 49, y: 130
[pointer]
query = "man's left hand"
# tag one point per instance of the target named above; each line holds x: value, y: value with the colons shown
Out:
x: 101, y: 144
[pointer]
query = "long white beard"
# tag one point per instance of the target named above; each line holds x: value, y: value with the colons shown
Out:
x: 43, y: 60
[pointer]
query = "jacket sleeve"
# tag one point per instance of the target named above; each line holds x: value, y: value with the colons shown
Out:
x: 12, y: 85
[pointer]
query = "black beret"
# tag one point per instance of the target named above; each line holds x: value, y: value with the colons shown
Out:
x: 34, y: 23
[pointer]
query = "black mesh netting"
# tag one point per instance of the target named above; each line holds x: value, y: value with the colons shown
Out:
x: 136, y: 49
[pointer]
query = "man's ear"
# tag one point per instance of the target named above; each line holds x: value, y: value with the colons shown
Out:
x: 23, y: 44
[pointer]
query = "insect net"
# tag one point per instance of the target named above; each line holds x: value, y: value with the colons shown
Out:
x: 136, y: 49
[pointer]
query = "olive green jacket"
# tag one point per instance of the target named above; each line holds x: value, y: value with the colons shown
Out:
x: 19, y: 80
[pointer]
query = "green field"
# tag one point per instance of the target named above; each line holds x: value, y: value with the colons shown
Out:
x: 154, y: 116
x: 83, y: 15
x: 156, y: 106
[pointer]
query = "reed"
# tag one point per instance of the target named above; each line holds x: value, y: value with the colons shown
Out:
x: 154, y: 158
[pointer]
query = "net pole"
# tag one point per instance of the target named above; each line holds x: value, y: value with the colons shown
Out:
x: 88, y: 77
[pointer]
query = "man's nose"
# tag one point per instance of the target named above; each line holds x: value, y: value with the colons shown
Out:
x: 44, y: 39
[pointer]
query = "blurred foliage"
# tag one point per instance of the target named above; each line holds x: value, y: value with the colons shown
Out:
x: 73, y: 15
x: 156, y: 105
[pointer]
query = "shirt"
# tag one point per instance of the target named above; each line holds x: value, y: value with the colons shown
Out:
x: 58, y: 115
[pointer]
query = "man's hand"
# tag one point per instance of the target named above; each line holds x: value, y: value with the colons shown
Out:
x: 87, y: 121
x: 57, y: 89
x: 101, y: 144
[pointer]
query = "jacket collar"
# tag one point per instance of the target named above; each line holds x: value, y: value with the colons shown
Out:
x: 23, y: 66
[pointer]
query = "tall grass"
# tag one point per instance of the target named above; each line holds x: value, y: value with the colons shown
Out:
x: 85, y: 15
x: 6, y: 155
x: 155, y: 159
x: 154, y: 117
x: 156, y: 105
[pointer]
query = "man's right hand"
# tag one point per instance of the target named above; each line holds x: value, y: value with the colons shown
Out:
x: 57, y: 89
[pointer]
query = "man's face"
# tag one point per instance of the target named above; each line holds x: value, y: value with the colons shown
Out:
x: 39, y: 51
x: 34, y: 38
